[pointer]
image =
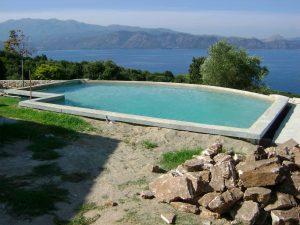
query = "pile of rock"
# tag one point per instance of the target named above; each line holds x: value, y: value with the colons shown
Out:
x: 249, y: 189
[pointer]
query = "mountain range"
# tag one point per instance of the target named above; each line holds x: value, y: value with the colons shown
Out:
x: 54, y: 34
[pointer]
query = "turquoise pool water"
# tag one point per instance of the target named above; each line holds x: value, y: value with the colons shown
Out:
x: 183, y: 104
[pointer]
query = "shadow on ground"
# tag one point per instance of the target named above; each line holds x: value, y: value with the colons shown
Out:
x: 47, y: 172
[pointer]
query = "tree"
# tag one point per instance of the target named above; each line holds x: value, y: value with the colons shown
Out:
x: 194, y: 70
x: 93, y: 70
x: 111, y: 71
x: 17, y: 44
x: 229, y: 66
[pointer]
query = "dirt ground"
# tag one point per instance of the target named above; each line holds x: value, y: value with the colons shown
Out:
x: 117, y: 166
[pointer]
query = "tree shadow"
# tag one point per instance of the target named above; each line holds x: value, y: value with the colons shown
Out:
x: 65, y: 164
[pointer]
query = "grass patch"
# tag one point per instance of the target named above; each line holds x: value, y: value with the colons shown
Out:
x: 80, y: 219
x: 47, y: 170
x: 23, y: 201
x: 10, y: 109
x: 171, y: 160
x: 149, y: 145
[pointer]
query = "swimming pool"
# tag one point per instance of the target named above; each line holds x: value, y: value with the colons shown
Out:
x: 179, y: 106
x: 165, y: 102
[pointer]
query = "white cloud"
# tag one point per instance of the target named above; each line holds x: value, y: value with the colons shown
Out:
x: 229, y: 23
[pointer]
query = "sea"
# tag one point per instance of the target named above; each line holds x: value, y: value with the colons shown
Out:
x: 283, y: 65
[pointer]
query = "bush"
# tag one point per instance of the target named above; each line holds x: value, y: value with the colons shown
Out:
x: 48, y: 72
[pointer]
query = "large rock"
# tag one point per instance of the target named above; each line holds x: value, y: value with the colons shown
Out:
x: 285, y: 217
x: 258, y: 194
x: 198, y: 185
x: 200, y: 179
x: 222, y: 157
x: 258, y: 154
x: 204, y: 177
x: 185, y: 207
x: 217, y: 181
x: 213, y: 150
x: 260, y: 173
x: 169, y: 187
x: 207, y: 198
x: 291, y: 185
x: 281, y: 201
x: 196, y: 164
x: 223, y: 202
x: 207, y: 214
x: 248, y: 213
x: 229, y: 173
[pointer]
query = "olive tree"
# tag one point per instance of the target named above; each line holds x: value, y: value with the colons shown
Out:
x: 229, y: 66
x: 17, y: 43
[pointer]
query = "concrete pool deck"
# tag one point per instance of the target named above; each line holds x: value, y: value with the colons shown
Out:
x: 43, y: 100
x: 290, y: 126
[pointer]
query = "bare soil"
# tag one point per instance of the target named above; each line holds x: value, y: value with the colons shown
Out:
x: 116, y: 165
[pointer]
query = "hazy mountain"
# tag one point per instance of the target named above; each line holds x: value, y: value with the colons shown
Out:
x: 56, y: 34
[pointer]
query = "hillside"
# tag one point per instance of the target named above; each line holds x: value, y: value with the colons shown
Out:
x: 56, y: 34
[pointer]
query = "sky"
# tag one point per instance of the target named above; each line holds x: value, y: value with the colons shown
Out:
x: 244, y: 18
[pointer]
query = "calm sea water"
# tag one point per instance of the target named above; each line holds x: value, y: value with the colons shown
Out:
x: 284, y: 65
x: 183, y: 104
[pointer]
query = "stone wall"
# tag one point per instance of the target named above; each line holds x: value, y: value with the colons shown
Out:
x: 5, y: 84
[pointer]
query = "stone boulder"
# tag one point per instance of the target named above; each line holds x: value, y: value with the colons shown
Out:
x: 185, y: 207
x: 281, y: 201
x: 223, y: 175
x: 217, y: 181
x: 229, y: 173
x: 223, y: 202
x: 291, y: 185
x: 207, y: 198
x: 286, y: 217
x: 207, y: 214
x: 258, y: 154
x: 258, y: 194
x: 199, y: 186
x: 213, y: 150
x: 170, y: 187
x: 222, y: 157
x: 197, y: 164
x: 248, y: 213
x: 266, y: 172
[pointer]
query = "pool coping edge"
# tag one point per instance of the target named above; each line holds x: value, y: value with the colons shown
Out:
x: 43, y: 100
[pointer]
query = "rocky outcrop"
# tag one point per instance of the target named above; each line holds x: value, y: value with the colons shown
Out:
x: 251, y: 189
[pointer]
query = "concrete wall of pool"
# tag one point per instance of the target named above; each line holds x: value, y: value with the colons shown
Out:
x: 43, y: 101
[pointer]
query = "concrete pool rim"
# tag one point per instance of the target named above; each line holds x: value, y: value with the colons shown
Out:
x: 42, y: 101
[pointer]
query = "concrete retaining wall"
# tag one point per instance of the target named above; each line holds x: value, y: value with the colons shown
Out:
x: 6, y: 84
